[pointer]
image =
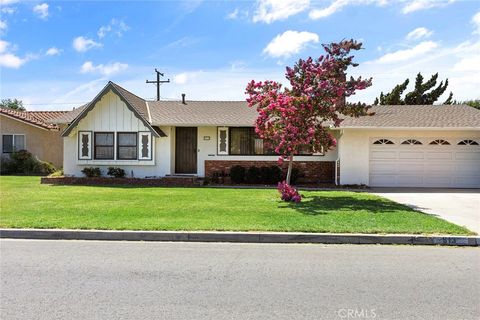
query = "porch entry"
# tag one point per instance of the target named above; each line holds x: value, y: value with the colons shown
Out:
x: 186, y: 150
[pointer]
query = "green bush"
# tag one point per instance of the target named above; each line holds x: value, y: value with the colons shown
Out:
x: 296, y: 174
x: 91, y: 172
x: 116, y: 172
x: 253, y: 175
x: 275, y: 175
x: 23, y: 162
x: 237, y: 174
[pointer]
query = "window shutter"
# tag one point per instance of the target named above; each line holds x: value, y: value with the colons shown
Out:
x: 222, y: 139
x: 84, y: 145
x: 144, y: 146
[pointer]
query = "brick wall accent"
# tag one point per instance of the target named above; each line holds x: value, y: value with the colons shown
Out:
x: 314, y: 171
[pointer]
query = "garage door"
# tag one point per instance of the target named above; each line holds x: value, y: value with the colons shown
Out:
x: 420, y: 162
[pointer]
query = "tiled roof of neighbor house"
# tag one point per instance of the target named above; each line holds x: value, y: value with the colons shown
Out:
x: 237, y: 113
x: 418, y: 116
x: 39, y: 118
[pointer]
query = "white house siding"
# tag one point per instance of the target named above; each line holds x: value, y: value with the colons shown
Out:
x: 208, y: 151
x: 354, y: 147
x: 112, y: 115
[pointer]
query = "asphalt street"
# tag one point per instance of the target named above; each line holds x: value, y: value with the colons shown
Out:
x: 56, y: 279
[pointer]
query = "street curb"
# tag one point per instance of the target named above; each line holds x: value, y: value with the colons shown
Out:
x: 246, y: 237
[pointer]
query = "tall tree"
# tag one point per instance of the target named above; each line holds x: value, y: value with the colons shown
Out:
x: 423, y: 93
x: 292, y: 118
x: 13, y: 104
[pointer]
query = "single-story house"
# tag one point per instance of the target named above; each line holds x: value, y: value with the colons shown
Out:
x: 32, y: 131
x: 407, y: 146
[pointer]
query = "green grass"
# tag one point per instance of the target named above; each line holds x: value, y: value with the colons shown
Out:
x: 25, y: 203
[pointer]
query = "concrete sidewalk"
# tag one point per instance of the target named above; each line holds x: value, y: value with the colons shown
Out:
x: 247, y: 237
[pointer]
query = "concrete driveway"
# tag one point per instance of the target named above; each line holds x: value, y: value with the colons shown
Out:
x: 460, y: 206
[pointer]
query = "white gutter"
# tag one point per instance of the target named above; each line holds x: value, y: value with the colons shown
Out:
x: 408, y: 128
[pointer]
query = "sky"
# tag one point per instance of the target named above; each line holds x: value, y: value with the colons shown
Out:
x: 57, y: 55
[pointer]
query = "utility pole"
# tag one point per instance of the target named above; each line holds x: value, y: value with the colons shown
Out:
x: 158, y: 82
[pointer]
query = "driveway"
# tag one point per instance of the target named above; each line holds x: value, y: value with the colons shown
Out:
x: 460, y: 206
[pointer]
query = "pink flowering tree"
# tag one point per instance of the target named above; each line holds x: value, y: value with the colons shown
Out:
x: 298, y: 116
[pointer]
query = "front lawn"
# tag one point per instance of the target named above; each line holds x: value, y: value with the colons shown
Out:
x: 25, y: 203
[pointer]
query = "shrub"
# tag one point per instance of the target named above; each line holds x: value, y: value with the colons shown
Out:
x: 58, y: 173
x: 270, y: 175
x: 116, y: 172
x: 91, y: 172
x: 253, y: 175
x: 296, y: 174
x: 288, y: 193
x: 23, y: 162
x: 237, y: 174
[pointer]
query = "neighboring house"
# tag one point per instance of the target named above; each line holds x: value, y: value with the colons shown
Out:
x: 409, y: 146
x: 32, y: 131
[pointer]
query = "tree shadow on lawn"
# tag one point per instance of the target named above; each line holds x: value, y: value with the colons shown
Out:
x: 324, y: 204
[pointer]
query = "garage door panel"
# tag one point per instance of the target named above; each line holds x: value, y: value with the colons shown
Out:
x: 410, y: 155
x: 433, y: 181
x: 435, y: 167
x: 467, y: 182
x: 377, y: 155
x: 383, y: 168
x: 424, y: 165
x: 405, y: 168
x: 409, y: 180
x: 382, y: 180
x: 461, y: 155
x: 439, y: 155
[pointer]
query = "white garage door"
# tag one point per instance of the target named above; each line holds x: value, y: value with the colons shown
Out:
x: 420, y: 162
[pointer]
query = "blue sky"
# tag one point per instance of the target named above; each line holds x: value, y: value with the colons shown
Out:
x: 59, y: 54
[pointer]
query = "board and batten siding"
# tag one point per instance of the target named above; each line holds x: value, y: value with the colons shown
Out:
x: 110, y: 114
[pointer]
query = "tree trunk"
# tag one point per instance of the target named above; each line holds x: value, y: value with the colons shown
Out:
x: 289, y: 172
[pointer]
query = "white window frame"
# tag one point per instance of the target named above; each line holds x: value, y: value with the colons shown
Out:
x: 13, y: 141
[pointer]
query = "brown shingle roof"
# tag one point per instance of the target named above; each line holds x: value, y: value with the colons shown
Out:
x: 237, y: 113
x: 196, y: 113
x: 42, y: 119
x: 418, y: 116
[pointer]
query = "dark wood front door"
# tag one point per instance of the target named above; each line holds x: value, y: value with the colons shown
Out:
x: 186, y: 150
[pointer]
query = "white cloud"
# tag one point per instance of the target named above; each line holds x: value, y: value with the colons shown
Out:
x: 118, y: 27
x: 8, y: 10
x: 184, y: 77
x: 3, y: 46
x: 419, y: 33
x: 337, y: 5
x: 7, y: 2
x: 41, y: 10
x: 269, y: 11
x: 8, y: 59
x: 476, y: 23
x: 406, y: 54
x: 289, y: 43
x: 53, y: 51
x: 3, y: 25
x: 106, y: 70
x: 417, y: 5
x: 82, y: 44
x: 234, y: 14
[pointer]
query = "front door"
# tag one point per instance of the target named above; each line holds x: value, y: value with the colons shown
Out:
x: 186, y: 150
